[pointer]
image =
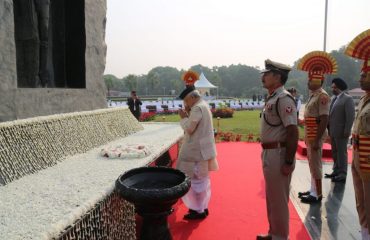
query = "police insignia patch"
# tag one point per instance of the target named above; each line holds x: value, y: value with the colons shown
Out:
x: 289, y: 109
x: 324, y: 100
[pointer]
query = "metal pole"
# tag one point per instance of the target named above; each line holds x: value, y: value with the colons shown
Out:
x: 218, y: 125
x: 326, y: 23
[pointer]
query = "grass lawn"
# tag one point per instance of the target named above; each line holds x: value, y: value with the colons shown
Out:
x: 243, y: 122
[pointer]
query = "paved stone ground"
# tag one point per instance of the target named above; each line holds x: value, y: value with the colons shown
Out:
x: 336, y: 216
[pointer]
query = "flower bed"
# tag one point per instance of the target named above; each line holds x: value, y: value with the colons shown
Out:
x: 146, y: 117
x: 168, y: 112
x: 235, y: 137
x: 223, y: 112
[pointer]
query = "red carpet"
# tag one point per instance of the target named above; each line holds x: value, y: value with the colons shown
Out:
x: 326, y: 154
x: 302, y: 149
x: 237, y: 208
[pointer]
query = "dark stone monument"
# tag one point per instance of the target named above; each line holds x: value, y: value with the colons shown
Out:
x: 50, y: 43
x: 52, y: 55
x: 31, y: 18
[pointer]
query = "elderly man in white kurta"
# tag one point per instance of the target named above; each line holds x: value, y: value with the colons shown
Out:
x: 198, y: 152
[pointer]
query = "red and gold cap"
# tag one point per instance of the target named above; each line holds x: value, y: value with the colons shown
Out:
x: 359, y: 48
x: 190, y: 77
x: 317, y: 64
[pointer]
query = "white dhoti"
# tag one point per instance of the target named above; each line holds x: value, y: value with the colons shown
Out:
x: 200, y: 191
x: 199, y: 194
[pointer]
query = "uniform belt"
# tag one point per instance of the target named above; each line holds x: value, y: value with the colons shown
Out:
x: 273, y: 145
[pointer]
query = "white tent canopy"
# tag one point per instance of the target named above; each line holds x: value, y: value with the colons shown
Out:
x: 204, y: 86
x: 203, y: 82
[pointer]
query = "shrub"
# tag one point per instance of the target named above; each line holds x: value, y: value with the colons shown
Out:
x: 148, y: 116
x: 223, y: 113
x: 168, y: 112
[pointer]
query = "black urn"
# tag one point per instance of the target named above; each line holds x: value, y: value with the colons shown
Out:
x: 153, y: 191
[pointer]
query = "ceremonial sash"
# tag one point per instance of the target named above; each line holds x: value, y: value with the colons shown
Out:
x: 364, y: 152
x: 361, y: 144
x: 311, y: 128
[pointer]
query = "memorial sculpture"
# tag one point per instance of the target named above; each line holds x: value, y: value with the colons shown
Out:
x: 31, y: 19
x: 48, y: 44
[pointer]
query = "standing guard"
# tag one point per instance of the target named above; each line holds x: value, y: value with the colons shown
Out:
x: 279, y: 138
x: 316, y: 63
x: 360, y: 48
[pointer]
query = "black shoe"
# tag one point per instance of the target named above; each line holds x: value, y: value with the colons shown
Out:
x: 301, y: 194
x: 195, y: 215
x: 264, y: 237
x: 193, y: 211
x: 338, y: 179
x: 311, y: 199
x: 330, y: 175
x: 206, y: 211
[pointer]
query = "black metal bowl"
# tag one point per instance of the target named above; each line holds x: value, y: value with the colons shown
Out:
x: 153, y: 188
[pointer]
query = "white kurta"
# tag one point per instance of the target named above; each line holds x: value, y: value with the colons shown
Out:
x: 198, y: 155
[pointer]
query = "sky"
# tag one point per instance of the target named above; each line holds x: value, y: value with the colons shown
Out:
x: 143, y: 34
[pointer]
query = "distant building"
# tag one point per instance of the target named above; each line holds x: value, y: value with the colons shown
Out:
x: 356, y: 94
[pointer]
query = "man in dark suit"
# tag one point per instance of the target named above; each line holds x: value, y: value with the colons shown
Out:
x: 134, y: 103
x: 341, y: 116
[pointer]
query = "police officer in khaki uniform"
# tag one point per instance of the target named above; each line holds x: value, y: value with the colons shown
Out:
x: 361, y: 156
x: 316, y: 119
x: 361, y: 135
x: 278, y: 120
x: 316, y: 116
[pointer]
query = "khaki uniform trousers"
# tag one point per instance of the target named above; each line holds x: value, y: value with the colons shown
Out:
x: 277, y: 192
x: 362, y: 193
x: 314, y: 160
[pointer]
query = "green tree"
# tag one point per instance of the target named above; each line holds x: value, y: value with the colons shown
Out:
x: 108, y: 80
x: 348, y: 68
x: 233, y: 80
x: 131, y: 82
x: 152, y: 80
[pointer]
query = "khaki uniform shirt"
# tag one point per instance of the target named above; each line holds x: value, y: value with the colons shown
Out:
x: 279, y: 112
x: 317, y: 105
x: 361, y: 132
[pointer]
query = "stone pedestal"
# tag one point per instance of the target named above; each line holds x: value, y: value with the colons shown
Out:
x: 19, y: 103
